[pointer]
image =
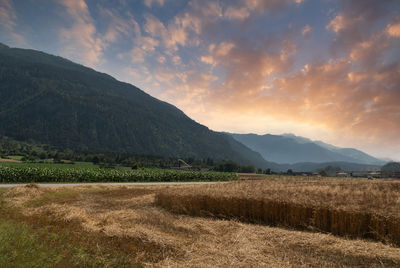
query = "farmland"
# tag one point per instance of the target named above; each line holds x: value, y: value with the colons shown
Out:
x: 353, y: 208
x: 43, y: 174
x: 107, y: 226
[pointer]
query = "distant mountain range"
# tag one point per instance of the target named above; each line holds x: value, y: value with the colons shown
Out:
x: 291, y: 149
x: 54, y: 101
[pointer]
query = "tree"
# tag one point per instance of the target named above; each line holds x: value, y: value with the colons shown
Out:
x: 323, y: 173
x: 135, y: 165
x: 95, y: 160
x: 57, y: 158
x: 267, y: 171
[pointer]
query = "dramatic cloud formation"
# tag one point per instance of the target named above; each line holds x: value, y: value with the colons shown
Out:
x: 328, y: 70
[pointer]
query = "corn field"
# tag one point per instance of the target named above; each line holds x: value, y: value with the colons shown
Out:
x: 11, y: 174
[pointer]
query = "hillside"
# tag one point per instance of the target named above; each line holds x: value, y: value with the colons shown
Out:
x: 290, y: 149
x: 54, y: 101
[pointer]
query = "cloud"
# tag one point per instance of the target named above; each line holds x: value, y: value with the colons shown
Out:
x: 355, y: 21
x: 237, y: 13
x: 81, y: 41
x: 149, y: 3
x: 119, y: 25
x: 306, y: 31
x: 368, y: 52
x: 8, y: 22
x: 171, y: 36
x: 143, y: 47
x: 339, y: 23
x: 393, y: 29
x: 247, y: 8
x: 154, y: 26
x: 161, y: 59
x: 247, y: 66
x: 185, y: 28
x: 8, y: 17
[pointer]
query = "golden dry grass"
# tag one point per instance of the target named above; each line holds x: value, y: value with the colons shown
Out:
x: 346, y: 207
x: 126, y: 221
x: 6, y: 160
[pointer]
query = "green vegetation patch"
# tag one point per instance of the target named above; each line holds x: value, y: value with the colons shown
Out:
x: 44, y: 241
x: 24, y: 174
x: 20, y: 246
x: 23, y: 246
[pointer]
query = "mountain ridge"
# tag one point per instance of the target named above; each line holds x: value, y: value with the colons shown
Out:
x: 55, y: 101
x: 291, y: 149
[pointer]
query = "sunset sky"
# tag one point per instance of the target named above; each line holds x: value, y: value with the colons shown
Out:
x: 324, y: 69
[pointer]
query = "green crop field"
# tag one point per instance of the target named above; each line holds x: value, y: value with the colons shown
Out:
x: 36, y: 174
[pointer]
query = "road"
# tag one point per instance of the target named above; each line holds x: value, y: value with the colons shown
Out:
x: 110, y: 184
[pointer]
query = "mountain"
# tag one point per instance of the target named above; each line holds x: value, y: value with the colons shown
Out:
x: 291, y: 149
x: 54, y: 101
x: 357, y: 155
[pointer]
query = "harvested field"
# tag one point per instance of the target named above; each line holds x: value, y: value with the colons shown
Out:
x: 6, y: 160
x: 355, y: 208
x: 123, y: 223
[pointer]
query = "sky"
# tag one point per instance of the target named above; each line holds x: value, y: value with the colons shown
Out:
x: 325, y: 69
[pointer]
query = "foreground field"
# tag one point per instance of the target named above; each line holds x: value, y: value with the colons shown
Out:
x: 347, y: 207
x: 123, y: 227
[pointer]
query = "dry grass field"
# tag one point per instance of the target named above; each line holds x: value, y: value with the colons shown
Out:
x: 9, y: 160
x: 347, y: 207
x: 98, y: 226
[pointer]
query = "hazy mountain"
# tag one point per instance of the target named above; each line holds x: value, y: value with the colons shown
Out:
x: 54, y: 101
x: 357, y: 155
x: 291, y: 149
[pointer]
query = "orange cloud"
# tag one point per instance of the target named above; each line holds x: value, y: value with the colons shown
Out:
x: 350, y: 99
x: 393, y: 29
